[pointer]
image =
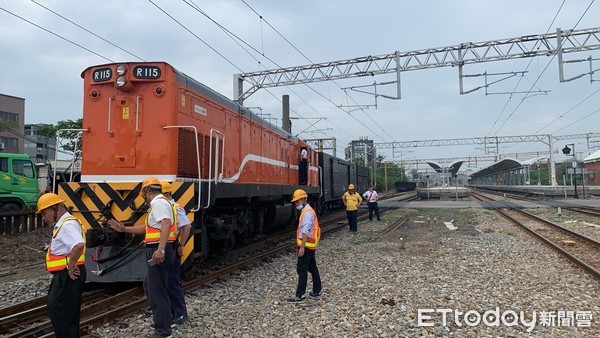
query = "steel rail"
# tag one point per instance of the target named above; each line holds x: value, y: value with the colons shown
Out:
x: 586, y: 267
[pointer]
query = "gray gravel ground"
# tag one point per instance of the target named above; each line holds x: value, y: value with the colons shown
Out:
x: 374, y: 286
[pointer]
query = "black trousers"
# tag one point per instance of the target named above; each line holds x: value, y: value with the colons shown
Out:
x: 156, y: 287
x: 64, y: 302
x: 306, y: 264
x: 303, y: 171
x: 373, y: 207
x: 352, y: 220
x: 175, y: 289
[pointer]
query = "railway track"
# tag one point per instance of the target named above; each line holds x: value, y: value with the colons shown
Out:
x: 586, y: 211
x: 578, y: 248
x: 29, y: 319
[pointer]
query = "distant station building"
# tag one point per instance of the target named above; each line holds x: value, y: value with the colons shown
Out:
x: 592, y: 168
x: 12, y: 112
x: 41, y: 148
x: 361, y: 151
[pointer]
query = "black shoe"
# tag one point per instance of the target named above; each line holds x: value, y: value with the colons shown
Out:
x: 179, y: 320
x: 297, y: 299
x: 314, y: 295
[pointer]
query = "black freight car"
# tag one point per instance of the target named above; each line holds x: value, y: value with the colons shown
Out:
x: 405, y: 186
x: 362, y: 179
x: 336, y: 174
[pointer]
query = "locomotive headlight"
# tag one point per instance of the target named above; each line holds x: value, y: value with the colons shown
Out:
x: 121, y: 81
x: 121, y: 69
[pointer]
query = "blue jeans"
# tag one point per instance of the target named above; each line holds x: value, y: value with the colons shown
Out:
x: 353, y: 220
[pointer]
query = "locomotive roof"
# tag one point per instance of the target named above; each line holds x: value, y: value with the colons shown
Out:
x: 215, y: 96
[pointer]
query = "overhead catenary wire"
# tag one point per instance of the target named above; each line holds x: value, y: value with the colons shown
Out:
x: 526, y: 68
x: 334, y: 82
x: 537, y: 79
x: 300, y: 125
x: 232, y: 36
x: 540, y: 75
x: 87, y: 30
x: 57, y: 35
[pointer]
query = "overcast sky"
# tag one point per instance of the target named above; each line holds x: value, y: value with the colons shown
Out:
x: 40, y: 65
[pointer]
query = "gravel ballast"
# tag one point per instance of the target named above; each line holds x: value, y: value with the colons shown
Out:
x: 376, y: 286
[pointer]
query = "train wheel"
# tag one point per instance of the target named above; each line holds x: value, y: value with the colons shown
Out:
x: 230, y: 242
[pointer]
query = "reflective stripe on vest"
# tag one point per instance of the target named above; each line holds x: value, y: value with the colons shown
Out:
x: 313, y: 241
x: 153, y: 234
x: 56, y: 263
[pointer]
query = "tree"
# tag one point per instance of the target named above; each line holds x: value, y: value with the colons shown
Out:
x: 69, y: 140
x: 5, y: 125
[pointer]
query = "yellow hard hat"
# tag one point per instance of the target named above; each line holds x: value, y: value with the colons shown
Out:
x: 48, y: 200
x: 166, y: 187
x: 298, y: 194
x: 148, y: 182
x: 351, y: 186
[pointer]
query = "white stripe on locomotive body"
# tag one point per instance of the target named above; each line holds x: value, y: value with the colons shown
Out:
x: 171, y: 178
x: 255, y: 158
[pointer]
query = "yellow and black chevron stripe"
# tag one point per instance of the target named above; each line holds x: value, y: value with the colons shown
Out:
x: 93, y: 202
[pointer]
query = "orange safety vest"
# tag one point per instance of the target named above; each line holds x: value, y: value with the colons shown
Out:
x: 313, y: 241
x: 55, y: 263
x: 153, y: 234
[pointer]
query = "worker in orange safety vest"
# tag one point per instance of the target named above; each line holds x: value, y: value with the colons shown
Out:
x: 159, y: 230
x: 307, y: 240
x: 65, y: 259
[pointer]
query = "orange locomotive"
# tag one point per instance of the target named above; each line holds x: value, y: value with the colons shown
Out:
x: 231, y: 170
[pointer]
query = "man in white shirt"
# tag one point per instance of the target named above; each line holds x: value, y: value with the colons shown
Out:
x: 303, y: 166
x: 371, y: 197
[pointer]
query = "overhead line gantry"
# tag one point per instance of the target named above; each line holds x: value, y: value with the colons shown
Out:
x: 559, y: 43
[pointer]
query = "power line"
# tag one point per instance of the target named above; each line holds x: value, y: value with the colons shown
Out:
x: 231, y: 35
x: 309, y: 60
x: 542, y: 73
x: 87, y: 30
x: 57, y: 35
x: 526, y: 68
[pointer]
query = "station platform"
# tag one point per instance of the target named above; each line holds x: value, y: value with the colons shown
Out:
x: 545, y: 190
x: 433, y: 204
x: 443, y: 193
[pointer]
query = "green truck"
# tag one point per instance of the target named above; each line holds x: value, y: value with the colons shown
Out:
x: 19, y: 188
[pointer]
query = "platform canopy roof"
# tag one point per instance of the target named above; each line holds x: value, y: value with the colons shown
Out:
x: 452, y: 168
x: 503, y: 165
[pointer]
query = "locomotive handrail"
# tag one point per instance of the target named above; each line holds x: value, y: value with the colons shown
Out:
x: 110, y: 99
x: 137, y: 113
x: 197, y: 160
x: 210, y: 157
x: 56, y: 155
